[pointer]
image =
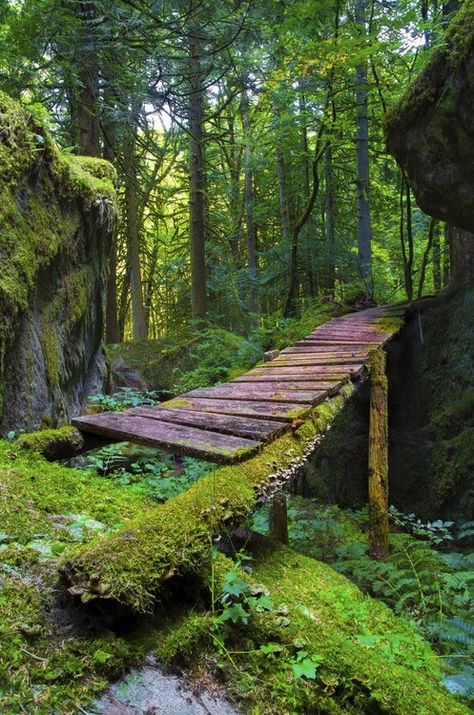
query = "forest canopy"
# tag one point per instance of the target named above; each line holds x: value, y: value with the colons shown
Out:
x: 248, y: 139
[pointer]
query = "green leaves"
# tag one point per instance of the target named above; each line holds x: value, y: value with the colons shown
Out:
x: 305, y: 665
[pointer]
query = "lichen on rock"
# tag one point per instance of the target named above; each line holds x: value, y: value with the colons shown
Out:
x: 431, y: 130
x: 56, y: 213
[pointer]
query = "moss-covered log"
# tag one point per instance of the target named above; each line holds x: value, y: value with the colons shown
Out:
x: 130, y: 564
x: 368, y: 659
x: 378, y: 455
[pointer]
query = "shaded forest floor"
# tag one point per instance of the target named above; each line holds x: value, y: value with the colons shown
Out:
x: 277, y: 630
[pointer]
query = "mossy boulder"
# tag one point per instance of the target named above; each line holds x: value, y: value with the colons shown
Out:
x: 431, y: 131
x: 56, y: 213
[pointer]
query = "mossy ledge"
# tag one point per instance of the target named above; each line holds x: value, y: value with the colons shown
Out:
x: 370, y: 660
x: 130, y: 565
x: 56, y: 212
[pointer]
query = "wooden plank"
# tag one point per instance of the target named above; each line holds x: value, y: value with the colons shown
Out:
x: 343, y: 342
x: 178, y: 438
x: 280, y: 411
x: 317, y: 367
x: 324, y: 346
x: 310, y: 359
x: 247, y: 391
x: 227, y: 424
x: 308, y: 349
x: 292, y: 382
x: 302, y: 372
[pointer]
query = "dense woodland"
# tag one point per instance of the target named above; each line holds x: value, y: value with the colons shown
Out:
x: 236, y: 357
x: 248, y: 141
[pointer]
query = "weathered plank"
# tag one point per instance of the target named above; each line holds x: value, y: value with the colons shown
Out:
x: 317, y: 367
x: 319, y: 372
x: 266, y: 393
x: 293, y: 382
x: 309, y: 349
x: 281, y: 411
x: 180, y: 439
x: 310, y: 359
x: 259, y: 429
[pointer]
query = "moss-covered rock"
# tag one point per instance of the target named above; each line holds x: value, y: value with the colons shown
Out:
x: 55, y: 215
x: 431, y: 131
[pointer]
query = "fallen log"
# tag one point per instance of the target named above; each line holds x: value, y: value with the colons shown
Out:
x: 129, y: 565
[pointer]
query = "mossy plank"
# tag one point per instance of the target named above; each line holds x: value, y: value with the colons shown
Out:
x: 293, y: 383
x: 260, y: 429
x: 280, y: 411
x: 181, y: 439
x: 260, y: 394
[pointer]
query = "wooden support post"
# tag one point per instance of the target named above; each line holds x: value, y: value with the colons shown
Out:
x: 378, y: 455
x: 279, y: 519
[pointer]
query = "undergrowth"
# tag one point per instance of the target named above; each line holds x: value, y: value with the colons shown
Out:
x: 429, y: 576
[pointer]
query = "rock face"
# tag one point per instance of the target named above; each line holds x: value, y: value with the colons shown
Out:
x: 55, y: 218
x: 431, y: 135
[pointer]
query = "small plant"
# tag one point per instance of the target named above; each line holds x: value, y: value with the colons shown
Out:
x: 124, y: 398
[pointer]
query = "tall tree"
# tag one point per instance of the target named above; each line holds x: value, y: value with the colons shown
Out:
x: 364, y: 230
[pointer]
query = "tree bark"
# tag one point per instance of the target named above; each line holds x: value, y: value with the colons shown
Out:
x: 461, y: 255
x: 364, y: 231
x: 139, y: 330
x: 196, y: 184
x: 87, y: 115
x: 436, y: 260
x: 378, y: 456
x: 249, y: 208
x: 329, y: 216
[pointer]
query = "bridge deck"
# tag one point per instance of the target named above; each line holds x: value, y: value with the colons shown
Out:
x: 231, y: 421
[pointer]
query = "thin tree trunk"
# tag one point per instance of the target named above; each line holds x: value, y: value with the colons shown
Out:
x: 196, y: 184
x: 436, y: 260
x: 112, y: 334
x: 406, y: 255
x: 307, y: 188
x: 249, y: 208
x: 364, y: 231
x: 281, y: 173
x: 329, y: 222
x: 429, y: 245
x: 446, y: 257
x: 139, y: 330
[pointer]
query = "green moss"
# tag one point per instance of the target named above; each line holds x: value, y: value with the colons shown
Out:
x: 130, y: 565
x: 369, y: 659
x: 49, y: 441
x: 46, y: 665
x: 446, y: 61
x: 39, y: 193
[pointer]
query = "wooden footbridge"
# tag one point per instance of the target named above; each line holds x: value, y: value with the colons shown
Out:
x: 231, y: 421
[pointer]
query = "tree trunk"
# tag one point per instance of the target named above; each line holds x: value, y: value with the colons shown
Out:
x: 281, y: 173
x: 88, y: 79
x: 112, y: 334
x: 461, y: 255
x: 139, y: 331
x: 196, y: 184
x: 364, y: 231
x: 378, y: 456
x: 249, y: 208
x: 436, y: 260
x: 329, y: 216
